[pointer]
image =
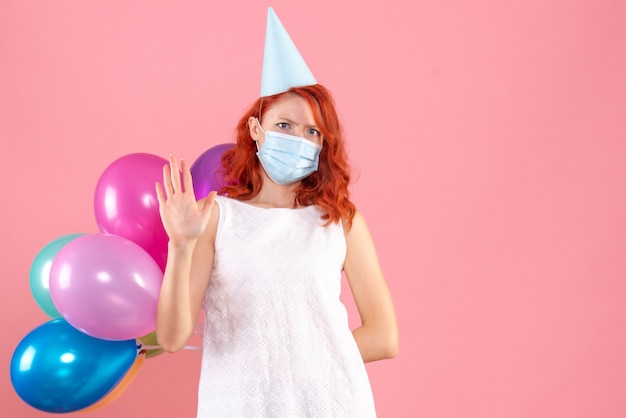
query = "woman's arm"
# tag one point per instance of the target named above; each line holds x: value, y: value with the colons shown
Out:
x: 185, y: 282
x: 191, y: 228
x: 377, y: 337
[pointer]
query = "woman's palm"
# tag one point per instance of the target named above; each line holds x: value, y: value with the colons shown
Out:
x: 183, y: 217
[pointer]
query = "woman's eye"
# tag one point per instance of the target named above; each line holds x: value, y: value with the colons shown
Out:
x: 314, y: 132
x: 282, y: 125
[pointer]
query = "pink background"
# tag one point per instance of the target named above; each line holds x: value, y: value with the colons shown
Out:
x: 489, y: 138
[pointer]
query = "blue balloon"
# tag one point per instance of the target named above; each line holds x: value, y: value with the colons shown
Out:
x: 56, y: 368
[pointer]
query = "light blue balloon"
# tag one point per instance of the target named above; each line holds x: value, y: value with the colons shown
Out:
x: 57, y: 368
x: 40, y: 274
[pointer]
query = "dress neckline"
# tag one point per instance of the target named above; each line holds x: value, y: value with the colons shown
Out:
x: 244, y: 203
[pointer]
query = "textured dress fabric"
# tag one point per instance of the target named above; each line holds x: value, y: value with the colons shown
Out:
x: 276, y: 338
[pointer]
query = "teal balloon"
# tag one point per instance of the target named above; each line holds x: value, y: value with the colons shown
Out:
x: 40, y: 274
x: 58, y: 369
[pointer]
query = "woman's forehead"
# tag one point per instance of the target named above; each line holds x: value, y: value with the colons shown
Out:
x: 290, y: 105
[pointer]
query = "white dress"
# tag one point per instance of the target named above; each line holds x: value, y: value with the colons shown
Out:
x: 276, y: 338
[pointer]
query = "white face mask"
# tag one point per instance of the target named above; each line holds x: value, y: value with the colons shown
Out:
x: 287, y: 158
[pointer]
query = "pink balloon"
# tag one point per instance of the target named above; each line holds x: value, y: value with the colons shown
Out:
x: 205, y: 171
x: 106, y: 286
x: 126, y: 204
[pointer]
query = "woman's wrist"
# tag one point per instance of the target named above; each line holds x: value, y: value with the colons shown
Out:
x: 181, y: 246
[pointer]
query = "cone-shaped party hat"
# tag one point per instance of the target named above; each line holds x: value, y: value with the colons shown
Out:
x: 283, y: 66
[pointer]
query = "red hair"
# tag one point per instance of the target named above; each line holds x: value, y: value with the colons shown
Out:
x: 327, y: 187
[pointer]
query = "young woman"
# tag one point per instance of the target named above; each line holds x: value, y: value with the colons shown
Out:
x: 265, y: 259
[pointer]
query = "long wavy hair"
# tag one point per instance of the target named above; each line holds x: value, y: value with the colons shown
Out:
x: 327, y: 187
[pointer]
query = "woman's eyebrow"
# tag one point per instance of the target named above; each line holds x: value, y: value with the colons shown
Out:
x: 286, y: 119
x: 291, y: 121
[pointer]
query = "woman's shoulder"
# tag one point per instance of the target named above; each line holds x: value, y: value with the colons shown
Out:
x: 222, y: 198
x: 224, y: 202
x: 211, y: 226
x: 357, y: 222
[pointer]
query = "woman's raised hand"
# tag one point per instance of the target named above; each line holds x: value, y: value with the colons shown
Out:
x: 183, y: 217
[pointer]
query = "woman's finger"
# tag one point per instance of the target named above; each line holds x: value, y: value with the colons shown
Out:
x: 159, y: 193
x: 167, y: 181
x: 187, y: 180
x: 175, y: 174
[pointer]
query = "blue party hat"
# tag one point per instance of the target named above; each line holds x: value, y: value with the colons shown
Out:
x: 283, y: 66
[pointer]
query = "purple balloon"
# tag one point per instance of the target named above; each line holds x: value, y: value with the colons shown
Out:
x: 205, y: 171
x: 126, y: 204
x: 106, y: 286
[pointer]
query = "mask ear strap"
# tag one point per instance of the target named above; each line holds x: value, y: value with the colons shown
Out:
x: 255, y: 141
x: 260, y: 127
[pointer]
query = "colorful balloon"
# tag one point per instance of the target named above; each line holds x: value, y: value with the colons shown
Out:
x: 56, y: 368
x: 121, y: 386
x: 205, y: 171
x: 125, y: 203
x: 106, y: 286
x: 40, y: 274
